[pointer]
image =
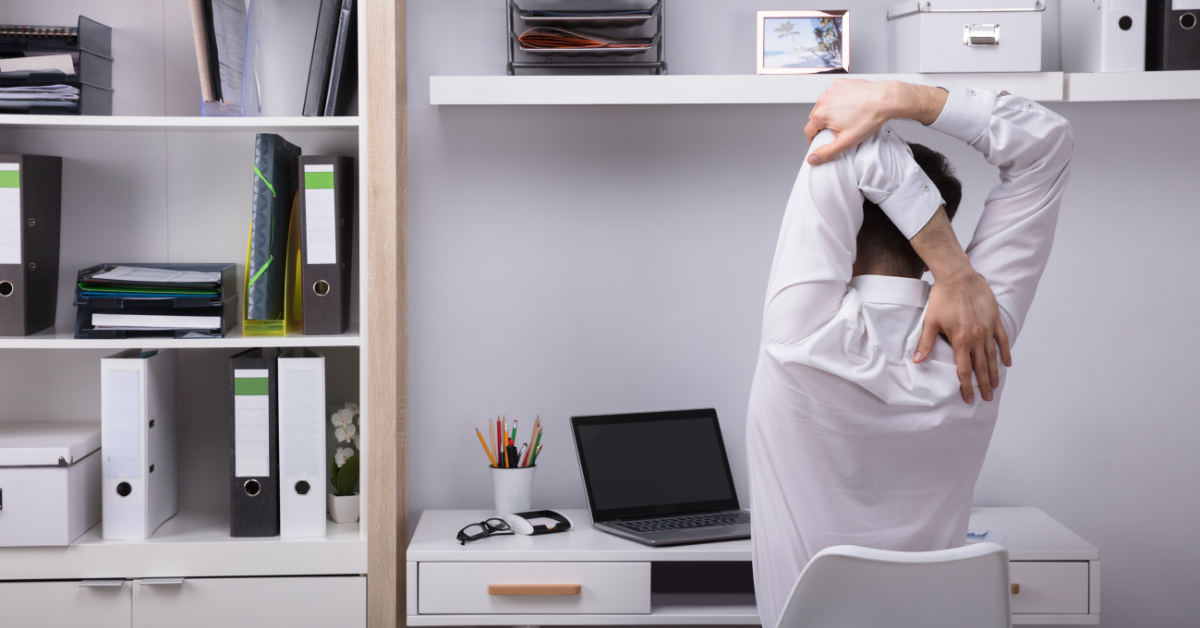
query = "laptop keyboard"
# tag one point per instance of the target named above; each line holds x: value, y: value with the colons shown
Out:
x: 682, y: 523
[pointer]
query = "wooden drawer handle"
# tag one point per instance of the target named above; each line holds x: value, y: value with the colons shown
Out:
x: 534, y: 589
x: 1016, y: 588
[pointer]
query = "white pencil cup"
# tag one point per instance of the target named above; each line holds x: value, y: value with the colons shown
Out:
x: 513, y: 489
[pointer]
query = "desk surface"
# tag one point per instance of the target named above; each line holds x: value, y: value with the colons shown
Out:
x: 1034, y: 536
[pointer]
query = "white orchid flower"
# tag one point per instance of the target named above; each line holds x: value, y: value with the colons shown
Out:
x: 356, y: 441
x: 342, y: 455
x: 341, y: 418
x: 345, y: 432
x: 352, y: 407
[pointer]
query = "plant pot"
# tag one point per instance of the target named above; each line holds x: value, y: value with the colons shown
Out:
x: 343, y: 509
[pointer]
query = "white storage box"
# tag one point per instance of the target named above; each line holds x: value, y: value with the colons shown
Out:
x: 49, y: 481
x: 965, y: 36
x: 1103, y: 35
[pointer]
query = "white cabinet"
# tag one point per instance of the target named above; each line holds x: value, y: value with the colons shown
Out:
x: 65, y: 604
x: 307, y: 602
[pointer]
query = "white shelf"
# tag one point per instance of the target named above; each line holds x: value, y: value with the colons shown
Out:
x: 753, y: 89
x: 701, y: 89
x: 178, y: 123
x: 194, y: 543
x: 1035, y: 536
x: 1127, y: 86
x: 63, y: 337
x: 681, y: 610
x: 665, y: 610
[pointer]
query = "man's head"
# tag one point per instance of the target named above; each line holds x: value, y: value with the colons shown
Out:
x: 882, y: 249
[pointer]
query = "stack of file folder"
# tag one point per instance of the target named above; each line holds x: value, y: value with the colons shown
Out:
x: 57, y: 69
x: 156, y: 300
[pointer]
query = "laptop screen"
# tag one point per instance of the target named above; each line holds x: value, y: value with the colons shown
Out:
x: 660, y: 463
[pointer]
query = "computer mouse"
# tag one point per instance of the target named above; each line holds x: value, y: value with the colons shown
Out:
x: 518, y: 524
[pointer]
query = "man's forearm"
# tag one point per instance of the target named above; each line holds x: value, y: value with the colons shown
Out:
x: 939, y: 248
x: 915, y: 102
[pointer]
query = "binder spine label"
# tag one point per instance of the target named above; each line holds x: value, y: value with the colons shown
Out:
x: 10, y: 213
x: 122, y: 419
x: 252, y: 425
x: 320, y: 217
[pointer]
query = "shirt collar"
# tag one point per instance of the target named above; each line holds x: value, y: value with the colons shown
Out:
x: 893, y: 290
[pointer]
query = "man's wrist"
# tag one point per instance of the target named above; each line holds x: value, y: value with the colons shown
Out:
x: 916, y: 102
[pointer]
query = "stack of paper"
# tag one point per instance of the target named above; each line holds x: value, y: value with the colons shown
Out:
x: 27, y: 96
x: 178, y: 300
x: 560, y: 38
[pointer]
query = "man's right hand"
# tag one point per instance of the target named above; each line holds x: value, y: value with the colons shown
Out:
x: 962, y: 307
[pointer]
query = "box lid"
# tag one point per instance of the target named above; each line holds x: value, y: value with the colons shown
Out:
x: 44, y: 443
x: 911, y: 7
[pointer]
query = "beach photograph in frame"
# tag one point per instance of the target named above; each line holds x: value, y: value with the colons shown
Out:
x: 803, y: 42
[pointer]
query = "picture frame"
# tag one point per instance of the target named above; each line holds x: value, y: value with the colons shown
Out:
x: 803, y: 42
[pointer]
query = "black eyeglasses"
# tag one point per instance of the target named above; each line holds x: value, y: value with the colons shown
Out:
x: 482, y: 530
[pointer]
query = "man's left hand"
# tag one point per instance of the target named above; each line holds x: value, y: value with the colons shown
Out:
x: 856, y: 109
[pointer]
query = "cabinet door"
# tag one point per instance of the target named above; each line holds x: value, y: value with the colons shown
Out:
x: 252, y: 603
x: 64, y: 605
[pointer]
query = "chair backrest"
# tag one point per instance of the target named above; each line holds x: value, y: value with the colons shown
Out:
x: 856, y: 587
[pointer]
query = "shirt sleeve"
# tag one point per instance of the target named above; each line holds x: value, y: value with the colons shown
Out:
x: 1032, y: 147
x: 817, y: 242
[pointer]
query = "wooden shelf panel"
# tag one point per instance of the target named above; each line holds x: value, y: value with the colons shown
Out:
x: 179, y: 123
x: 63, y: 337
x: 701, y: 89
x: 194, y: 543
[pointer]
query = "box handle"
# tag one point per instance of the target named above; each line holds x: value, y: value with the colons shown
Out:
x: 157, y: 581
x: 534, y: 589
x: 102, y: 582
x: 1015, y: 588
x: 981, y: 34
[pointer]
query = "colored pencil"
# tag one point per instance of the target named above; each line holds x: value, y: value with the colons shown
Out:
x: 485, y: 448
x: 537, y: 446
x: 537, y: 429
x: 535, y: 454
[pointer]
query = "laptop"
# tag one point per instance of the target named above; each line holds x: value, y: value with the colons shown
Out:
x: 659, y: 478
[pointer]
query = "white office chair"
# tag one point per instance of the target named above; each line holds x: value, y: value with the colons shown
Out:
x: 856, y: 587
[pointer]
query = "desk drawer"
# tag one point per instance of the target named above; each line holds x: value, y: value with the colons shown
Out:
x: 1049, y: 587
x: 533, y: 588
x: 64, y: 605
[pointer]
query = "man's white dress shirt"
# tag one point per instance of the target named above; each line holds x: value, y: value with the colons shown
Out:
x: 848, y: 441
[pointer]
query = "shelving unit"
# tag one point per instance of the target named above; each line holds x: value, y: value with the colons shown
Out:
x: 166, y: 185
x: 749, y: 89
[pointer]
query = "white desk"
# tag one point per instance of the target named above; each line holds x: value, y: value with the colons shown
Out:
x: 448, y: 584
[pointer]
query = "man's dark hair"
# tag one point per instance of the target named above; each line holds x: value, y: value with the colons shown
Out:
x: 883, y: 240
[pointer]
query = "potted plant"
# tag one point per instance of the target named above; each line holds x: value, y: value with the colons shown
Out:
x: 343, y: 469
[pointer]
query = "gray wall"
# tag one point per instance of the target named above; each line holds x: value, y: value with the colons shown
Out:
x: 573, y: 260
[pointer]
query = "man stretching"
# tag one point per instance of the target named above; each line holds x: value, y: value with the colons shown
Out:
x: 864, y: 425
